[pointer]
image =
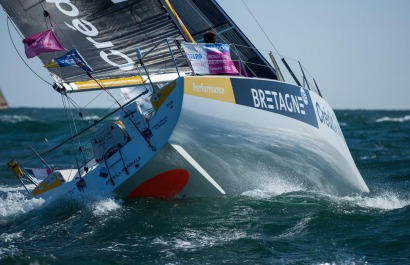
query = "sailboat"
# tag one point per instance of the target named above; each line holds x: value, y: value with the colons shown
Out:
x: 3, y: 102
x: 196, y: 119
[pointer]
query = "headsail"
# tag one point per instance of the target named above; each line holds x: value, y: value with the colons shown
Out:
x: 107, y: 32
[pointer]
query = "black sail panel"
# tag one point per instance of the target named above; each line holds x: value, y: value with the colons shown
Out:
x: 105, y: 32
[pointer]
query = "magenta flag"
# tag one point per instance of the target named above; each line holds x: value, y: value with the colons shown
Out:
x: 42, y: 42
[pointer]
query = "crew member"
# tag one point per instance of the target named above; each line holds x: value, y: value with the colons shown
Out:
x: 209, y: 37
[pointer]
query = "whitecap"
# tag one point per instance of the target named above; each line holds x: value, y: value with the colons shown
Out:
x: 385, y: 201
x: 273, y: 188
x: 15, y: 118
x: 193, y: 239
x: 389, y: 119
x: 13, y: 203
x: 103, y: 207
x: 6, y: 189
x: 91, y: 117
x: 8, y: 238
x: 367, y: 157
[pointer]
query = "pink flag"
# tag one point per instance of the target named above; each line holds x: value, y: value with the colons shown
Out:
x: 42, y: 42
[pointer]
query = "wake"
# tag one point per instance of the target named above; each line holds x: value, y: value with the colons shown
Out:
x: 384, y: 200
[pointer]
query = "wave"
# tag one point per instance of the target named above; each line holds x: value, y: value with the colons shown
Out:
x: 16, y: 202
x: 11, y: 189
x: 385, y: 201
x: 105, y: 206
x: 389, y: 119
x: 274, y: 188
x: 91, y: 117
x: 191, y: 239
x: 15, y: 118
x: 367, y: 157
x: 299, y: 229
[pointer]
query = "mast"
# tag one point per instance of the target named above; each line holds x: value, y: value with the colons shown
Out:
x: 178, y: 21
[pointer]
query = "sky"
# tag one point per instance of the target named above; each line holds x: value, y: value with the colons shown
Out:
x: 358, y: 51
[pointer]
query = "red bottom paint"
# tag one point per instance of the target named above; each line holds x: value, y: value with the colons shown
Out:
x: 165, y: 185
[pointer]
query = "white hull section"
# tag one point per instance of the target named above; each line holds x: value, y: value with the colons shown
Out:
x: 247, y: 147
x: 228, y: 148
x: 119, y: 159
x: 226, y: 135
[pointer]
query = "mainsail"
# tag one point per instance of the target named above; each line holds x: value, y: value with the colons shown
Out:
x: 107, y: 32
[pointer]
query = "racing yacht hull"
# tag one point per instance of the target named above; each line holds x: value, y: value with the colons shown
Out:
x: 237, y: 134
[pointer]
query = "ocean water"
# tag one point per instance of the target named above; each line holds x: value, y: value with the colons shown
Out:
x: 282, y: 223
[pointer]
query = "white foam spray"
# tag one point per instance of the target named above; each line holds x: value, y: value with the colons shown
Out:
x: 14, y: 201
x: 105, y: 206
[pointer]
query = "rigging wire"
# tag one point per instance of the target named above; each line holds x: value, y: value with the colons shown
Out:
x: 71, y: 132
x: 257, y: 22
x: 206, y: 20
x: 22, y: 59
x: 46, y: 14
x: 77, y: 107
x: 277, y: 52
x: 51, y: 20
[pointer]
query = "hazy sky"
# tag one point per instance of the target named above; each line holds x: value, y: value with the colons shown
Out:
x: 357, y: 50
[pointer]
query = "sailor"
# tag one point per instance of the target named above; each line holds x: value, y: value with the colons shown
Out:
x: 209, y: 37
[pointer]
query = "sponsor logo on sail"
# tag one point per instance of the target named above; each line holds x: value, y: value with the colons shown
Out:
x: 112, y: 56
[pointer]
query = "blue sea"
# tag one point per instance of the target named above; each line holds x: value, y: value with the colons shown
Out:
x: 278, y: 224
